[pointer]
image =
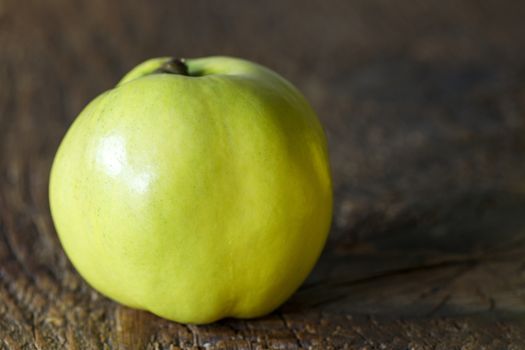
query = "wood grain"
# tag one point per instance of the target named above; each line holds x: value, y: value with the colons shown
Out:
x: 424, y: 107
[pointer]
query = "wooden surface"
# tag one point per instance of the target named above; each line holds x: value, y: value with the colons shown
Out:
x: 424, y: 106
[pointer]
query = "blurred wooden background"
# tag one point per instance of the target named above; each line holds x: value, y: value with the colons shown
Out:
x: 424, y: 106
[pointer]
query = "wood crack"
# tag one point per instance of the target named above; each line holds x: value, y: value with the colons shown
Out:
x: 291, y: 330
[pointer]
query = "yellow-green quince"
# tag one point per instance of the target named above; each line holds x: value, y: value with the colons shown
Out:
x: 196, y: 189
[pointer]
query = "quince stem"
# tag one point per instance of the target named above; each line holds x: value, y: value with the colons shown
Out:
x: 174, y: 66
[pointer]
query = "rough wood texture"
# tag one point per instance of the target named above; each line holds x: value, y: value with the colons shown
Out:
x: 424, y: 105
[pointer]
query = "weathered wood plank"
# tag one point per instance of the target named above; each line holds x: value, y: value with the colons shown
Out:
x: 424, y: 106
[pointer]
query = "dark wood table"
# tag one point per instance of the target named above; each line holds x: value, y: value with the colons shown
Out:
x: 424, y: 106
